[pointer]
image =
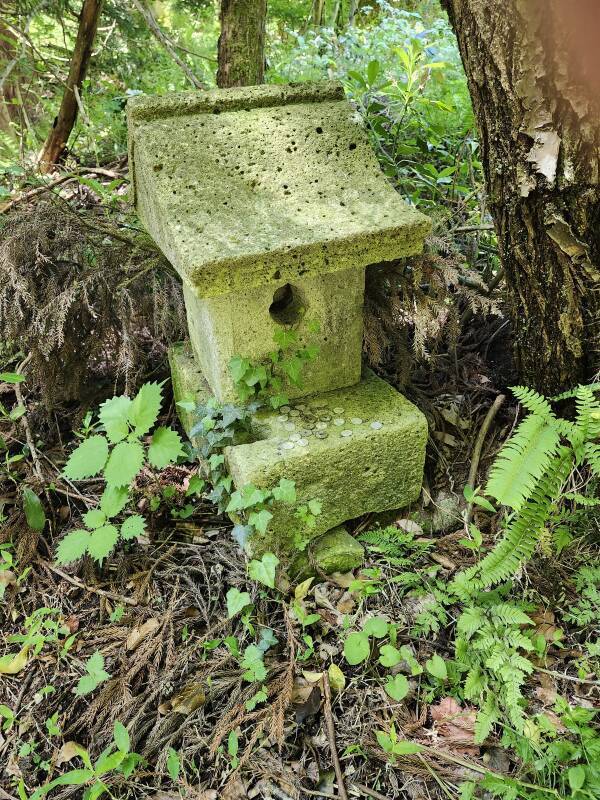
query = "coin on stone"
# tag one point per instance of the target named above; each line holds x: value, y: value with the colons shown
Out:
x: 321, y: 434
x: 294, y: 412
x: 295, y: 437
x: 289, y: 426
x: 306, y: 432
x: 301, y: 407
x: 339, y: 421
x: 288, y: 445
x: 345, y: 434
x: 282, y: 418
x: 377, y: 425
x: 320, y: 426
x: 356, y: 421
x: 302, y: 443
x: 285, y: 409
x: 338, y: 410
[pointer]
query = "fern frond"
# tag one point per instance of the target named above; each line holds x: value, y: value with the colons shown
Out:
x: 594, y: 387
x: 523, y: 461
x: 592, y: 456
x: 522, y: 532
x: 534, y: 402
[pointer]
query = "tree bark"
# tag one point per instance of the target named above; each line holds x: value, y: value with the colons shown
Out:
x: 67, y: 114
x: 532, y: 70
x: 242, y: 43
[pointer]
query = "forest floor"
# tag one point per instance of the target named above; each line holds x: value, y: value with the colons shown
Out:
x: 157, y: 612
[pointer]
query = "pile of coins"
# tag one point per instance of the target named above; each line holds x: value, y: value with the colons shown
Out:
x: 301, y: 421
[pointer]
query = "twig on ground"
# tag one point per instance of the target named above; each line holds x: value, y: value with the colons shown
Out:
x: 130, y: 601
x: 476, y: 457
x: 370, y: 792
x: 567, y: 677
x: 69, y: 176
x: 329, y: 724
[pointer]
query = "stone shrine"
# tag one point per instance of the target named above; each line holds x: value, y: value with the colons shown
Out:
x: 270, y: 204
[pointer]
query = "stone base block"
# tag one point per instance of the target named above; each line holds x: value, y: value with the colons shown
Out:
x: 356, y: 450
x: 335, y: 551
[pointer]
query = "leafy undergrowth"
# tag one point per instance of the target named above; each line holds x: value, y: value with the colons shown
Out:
x: 171, y: 670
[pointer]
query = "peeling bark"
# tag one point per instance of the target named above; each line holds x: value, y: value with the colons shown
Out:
x: 242, y: 43
x: 535, y: 98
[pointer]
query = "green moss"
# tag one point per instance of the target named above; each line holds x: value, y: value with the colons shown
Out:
x: 335, y: 551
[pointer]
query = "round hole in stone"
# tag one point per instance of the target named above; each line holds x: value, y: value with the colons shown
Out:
x: 288, y: 305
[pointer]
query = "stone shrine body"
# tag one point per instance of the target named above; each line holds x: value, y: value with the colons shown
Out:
x: 270, y: 204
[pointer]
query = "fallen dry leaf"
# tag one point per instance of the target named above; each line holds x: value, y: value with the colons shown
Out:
x: 544, y: 621
x: 184, y: 702
x: 455, y: 725
x: 68, y: 752
x: 139, y: 633
x: 12, y: 664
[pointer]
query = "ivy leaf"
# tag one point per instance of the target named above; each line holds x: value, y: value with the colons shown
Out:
x: 260, y: 520
x: 293, y: 369
x: 133, y: 527
x: 113, y: 500
x: 114, y: 415
x: 238, y: 367
x: 166, y: 446
x: 236, y: 601
x: 285, y: 492
x: 436, y: 666
x: 73, y: 546
x: 397, y: 687
x: 263, y: 571
x: 389, y: 656
x: 88, y: 459
x: 145, y: 408
x: 34, y: 510
x: 94, y: 518
x: 124, y: 463
x: 357, y: 648
x: 102, y: 541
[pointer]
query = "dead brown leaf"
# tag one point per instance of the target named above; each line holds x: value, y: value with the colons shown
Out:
x: 139, y: 633
x: 455, y: 725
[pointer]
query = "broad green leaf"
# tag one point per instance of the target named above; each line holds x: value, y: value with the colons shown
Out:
x: 124, y: 463
x: 113, y: 500
x: 173, y: 765
x: 376, y: 626
x: 576, y: 777
x: 389, y: 656
x: 397, y: 687
x: 121, y: 737
x: 114, y: 415
x: 133, y: 527
x: 263, y: 571
x: 260, y: 520
x: 73, y: 546
x: 238, y: 368
x: 357, y: 648
x: 236, y: 601
x: 436, y: 666
x: 285, y: 492
x: 145, y: 408
x: 102, y: 542
x: 404, y: 748
x: 108, y: 761
x: 88, y: 459
x: 34, y: 510
x: 11, y: 377
x: 166, y: 446
x: 337, y: 679
x: 94, y: 518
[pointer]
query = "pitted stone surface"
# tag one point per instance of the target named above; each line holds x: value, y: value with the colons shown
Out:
x: 264, y: 185
x: 374, y: 469
x: 242, y: 325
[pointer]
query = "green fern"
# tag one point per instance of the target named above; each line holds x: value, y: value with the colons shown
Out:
x: 528, y: 477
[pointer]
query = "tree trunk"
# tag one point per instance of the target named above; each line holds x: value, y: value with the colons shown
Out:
x: 67, y: 114
x: 242, y: 43
x: 534, y: 78
x: 317, y: 13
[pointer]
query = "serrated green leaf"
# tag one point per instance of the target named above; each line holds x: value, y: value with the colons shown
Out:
x: 114, y: 416
x: 264, y: 570
x: 102, y: 542
x: 166, y: 446
x: 88, y: 459
x: 94, y: 518
x: 133, y: 527
x: 397, y: 687
x: 253, y: 664
x: 236, y: 601
x: 121, y: 737
x: 357, y: 648
x: 113, y: 500
x: 34, y: 510
x: 124, y: 463
x: 145, y: 408
x: 73, y: 546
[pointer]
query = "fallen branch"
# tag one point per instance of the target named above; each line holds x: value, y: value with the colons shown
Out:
x: 329, y: 724
x: 95, y: 590
x: 69, y: 176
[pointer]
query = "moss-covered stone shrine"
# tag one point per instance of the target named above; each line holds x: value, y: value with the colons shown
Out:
x: 270, y: 204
